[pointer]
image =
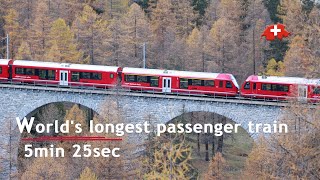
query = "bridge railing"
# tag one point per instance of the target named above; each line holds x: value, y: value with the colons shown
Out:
x: 157, y: 90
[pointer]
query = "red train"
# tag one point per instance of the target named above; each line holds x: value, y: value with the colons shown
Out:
x: 156, y: 80
x: 218, y: 84
x: 281, y: 88
x: 63, y: 74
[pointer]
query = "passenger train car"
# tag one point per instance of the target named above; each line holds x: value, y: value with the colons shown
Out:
x: 157, y: 80
x: 5, y: 71
x: 64, y: 74
x: 186, y: 82
x: 282, y: 88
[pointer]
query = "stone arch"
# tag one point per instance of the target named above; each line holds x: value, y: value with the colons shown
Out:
x: 239, y: 113
x: 25, y: 112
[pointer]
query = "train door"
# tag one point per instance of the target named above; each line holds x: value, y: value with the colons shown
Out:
x: 302, y: 92
x: 254, y: 88
x: 63, y: 78
x: 166, y: 84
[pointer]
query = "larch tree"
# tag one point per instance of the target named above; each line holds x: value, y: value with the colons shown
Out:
x: 163, y: 26
x: 217, y: 168
x: 291, y: 155
x: 255, y: 17
x: 211, y: 14
x: 62, y: 38
x: 171, y: 160
x: 12, y: 28
x: 89, y: 30
x: 40, y: 29
x: 115, y: 167
x: 297, y: 58
x: 66, y: 10
x: 46, y: 168
x: 115, y: 8
x: 195, y: 42
x: 293, y: 16
x: 136, y: 31
x: 185, y: 17
x: 4, y: 7
x: 311, y: 33
x: 114, y: 47
x: 88, y: 174
x: 275, y: 68
x: 24, y: 52
x: 26, y: 10
x: 222, y: 43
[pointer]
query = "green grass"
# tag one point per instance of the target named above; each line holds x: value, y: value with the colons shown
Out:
x: 235, y: 151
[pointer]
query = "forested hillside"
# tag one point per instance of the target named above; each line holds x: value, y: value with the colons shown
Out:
x: 194, y: 35
x: 197, y: 35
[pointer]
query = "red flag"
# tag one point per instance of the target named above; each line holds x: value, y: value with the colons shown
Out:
x: 276, y: 30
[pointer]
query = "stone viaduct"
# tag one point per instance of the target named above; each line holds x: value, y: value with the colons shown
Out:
x: 19, y: 101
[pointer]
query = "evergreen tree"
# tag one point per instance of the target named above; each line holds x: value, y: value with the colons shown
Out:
x: 277, y: 48
x: 200, y: 6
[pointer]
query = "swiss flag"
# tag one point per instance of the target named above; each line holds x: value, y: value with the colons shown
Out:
x: 276, y: 30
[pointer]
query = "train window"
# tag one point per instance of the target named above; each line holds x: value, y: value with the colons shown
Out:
x: 196, y: 82
x: 96, y: 76
x: 275, y: 87
x: 221, y: 84
x: 254, y: 85
x: 183, y: 83
x: 111, y: 75
x: 228, y: 84
x: 130, y: 78
x: 75, y: 76
x: 247, y: 85
x: 316, y: 90
x: 51, y: 75
x: 208, y: 83
x: 154, y: 81
x: 143, y: 79
x: 268, y: 87
x: 29, y: 71
x: 42, y: 74
x: 0, y: 70
x: 19, y: 71
x: 85, y: 75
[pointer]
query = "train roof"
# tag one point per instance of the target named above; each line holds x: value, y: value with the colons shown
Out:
x: 187, y: 74
x: 285, y: 80
x: 65, y: 65
x: 4, y: 61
